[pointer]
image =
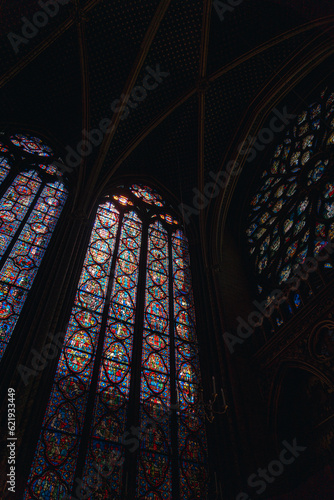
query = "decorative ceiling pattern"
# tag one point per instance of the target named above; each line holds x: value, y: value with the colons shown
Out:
x: 230, y: 95
x: 42, y: 95
x: 168, y: 161
x: 114, y: 32
x: 66, y: 77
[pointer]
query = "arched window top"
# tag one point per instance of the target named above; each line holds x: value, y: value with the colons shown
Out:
x: 291, y: 215
x: 126, y: 393
x: 148, y: 202
x: 32, y: 145
x: 32, y: 196
x: 147, y: 194
x: 24, y: 151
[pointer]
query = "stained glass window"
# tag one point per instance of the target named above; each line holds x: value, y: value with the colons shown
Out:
x: 31, y: 144
x: 124, y: 414
x: 291, y: 216
x: 32, y: 196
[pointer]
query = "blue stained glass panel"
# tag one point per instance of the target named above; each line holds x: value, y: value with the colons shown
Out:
x: 21, y: 266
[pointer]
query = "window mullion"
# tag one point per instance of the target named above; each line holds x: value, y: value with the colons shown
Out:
x: 133, y: 416
x: 86, y: 429
x: 21, y: 226
x: 173, y: 381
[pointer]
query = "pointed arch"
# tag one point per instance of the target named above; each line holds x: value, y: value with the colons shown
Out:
x: 32, y: 196
x: 124, y: 410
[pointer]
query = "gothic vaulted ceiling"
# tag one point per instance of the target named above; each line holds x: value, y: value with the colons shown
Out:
x: 194, y: 67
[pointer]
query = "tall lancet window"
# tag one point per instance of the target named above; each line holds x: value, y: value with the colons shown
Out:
x: 32, y: 196
x: 291, y: 215
x: 124, y: 419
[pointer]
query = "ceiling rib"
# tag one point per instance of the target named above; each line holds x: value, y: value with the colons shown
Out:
x: 31, y: 56
x: 218, y: 74
x: 140, y: 59
x: 85, y: 94
x: 303, y: 67
x: 203, y: 85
